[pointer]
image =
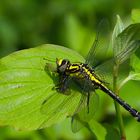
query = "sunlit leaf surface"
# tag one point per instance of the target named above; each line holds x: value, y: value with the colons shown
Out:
x: 25, y: 85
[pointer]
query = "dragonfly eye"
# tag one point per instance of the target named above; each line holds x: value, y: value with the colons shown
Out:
x: 62, y: 65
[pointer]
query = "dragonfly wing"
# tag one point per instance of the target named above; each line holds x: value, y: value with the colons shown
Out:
x: 76, y: 125
x: 105, y: 71
x: 48, y: 106
x: 98, y: 51
x: 59, y: 106
x: 91, y: 53
x: 86, y: 113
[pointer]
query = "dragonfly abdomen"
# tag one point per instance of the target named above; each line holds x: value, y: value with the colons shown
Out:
x: 132, y: 111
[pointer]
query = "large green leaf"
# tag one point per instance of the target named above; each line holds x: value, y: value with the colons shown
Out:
x: 25, y: 85
x: 126, y: 43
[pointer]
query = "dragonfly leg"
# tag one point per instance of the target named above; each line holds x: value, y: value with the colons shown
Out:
x: 62, y: 86
x: 88, y: 100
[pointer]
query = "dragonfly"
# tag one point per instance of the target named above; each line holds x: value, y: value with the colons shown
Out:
x: 87, y: 77
x: 84, y: 72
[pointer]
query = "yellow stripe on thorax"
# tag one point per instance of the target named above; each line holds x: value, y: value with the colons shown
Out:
x: 73, y: 67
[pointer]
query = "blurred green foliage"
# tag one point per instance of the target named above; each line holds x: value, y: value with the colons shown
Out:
x: 28, y: 23
x: 25, y: 24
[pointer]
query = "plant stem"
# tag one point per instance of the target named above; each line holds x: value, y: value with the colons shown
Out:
x: 117, y: 107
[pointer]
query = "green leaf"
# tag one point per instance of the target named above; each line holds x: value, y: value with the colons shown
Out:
x: 126, y: 43
x: 135, y: 62
x: 111, y: 132
x: 99, y: 130
x: 103, y: 132
x: 134, y: 74
x: 135, y: 15
x: 119, y: 27
x: 131, y: 76
x: 25, y: 85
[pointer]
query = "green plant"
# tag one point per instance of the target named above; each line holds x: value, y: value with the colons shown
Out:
x: 25, y: 84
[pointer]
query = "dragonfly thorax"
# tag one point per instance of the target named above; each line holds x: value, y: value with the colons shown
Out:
x: 78, y: 70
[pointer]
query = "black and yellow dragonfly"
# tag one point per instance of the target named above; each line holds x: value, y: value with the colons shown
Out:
x: 84, y: 72
x: 87, y: 76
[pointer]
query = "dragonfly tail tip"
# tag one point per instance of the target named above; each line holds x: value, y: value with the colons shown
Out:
x: 138, y: 117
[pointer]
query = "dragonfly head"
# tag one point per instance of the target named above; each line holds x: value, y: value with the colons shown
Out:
x: 62, y: 65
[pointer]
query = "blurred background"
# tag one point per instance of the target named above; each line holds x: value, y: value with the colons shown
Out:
x: 30, y: 23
